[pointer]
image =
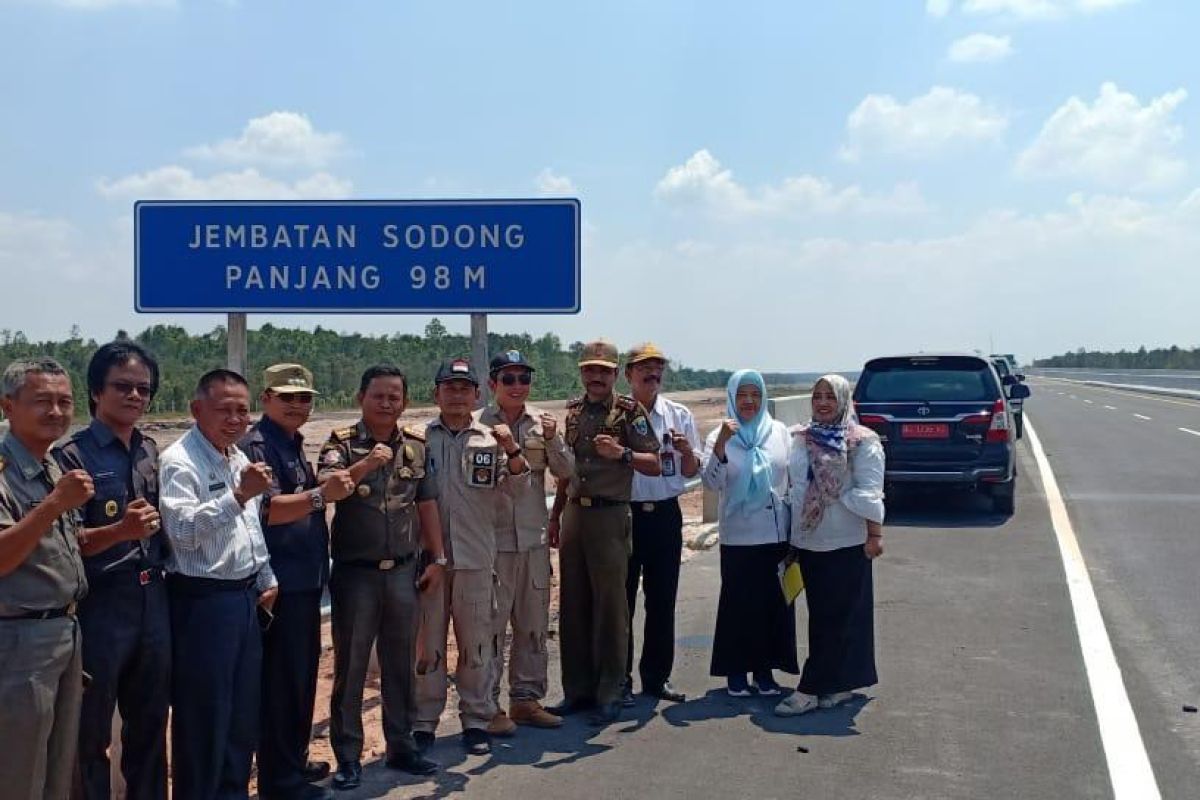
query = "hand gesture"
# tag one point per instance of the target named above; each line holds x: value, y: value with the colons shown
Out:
x: 381, y: 455
x: 504, y: 437
x: 141, y: 520
x: 727, y: 431
x: 554, y: 533
x: 607, y: 446
x: 256, y: 479
x: 680, y: 442
x: 73, y: 489
x: 338, y: 486
x: 549, y: 426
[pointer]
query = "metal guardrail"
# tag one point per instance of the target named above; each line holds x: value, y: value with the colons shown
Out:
x: 1175, y: 383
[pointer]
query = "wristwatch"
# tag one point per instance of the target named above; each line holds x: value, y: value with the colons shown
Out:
x: 317, y: 499
x: 441, y: 561
x: 627, y: 456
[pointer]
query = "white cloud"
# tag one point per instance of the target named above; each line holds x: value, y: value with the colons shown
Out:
x: 278, y: 139
x: 980, y: 47
x: 179, y: 183
x: 927, y: 125
x: 1032, y: 10
x: 549, y: 184
x: 701, y: 182
x: 1116, y: 142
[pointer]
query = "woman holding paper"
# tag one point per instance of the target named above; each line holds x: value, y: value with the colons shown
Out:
x: 745, y: 461
x: 835, y: 477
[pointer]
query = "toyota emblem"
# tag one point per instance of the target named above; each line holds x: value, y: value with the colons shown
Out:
x: 923, y: 411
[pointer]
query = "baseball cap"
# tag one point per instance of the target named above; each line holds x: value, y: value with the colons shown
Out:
x: 509, y: 358
x: 646, y: 351
x: 288, y: 378
x: 456, y: 369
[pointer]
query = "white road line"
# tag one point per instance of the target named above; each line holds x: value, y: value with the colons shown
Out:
x: 1126, y: 393
x: 1111, y: 408
x: 1089, y: 402
x: 1142, y: 416
x: 1189, y: 430
x: 1129, y: 768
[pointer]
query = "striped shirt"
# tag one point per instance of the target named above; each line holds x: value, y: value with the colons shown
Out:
x: 212, y: 536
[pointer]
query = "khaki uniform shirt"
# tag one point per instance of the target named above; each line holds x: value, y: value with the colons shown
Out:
x: 51, y: 576
x: 523, y: 513
x: 471, y: 472
x: 379, y: 521
x: 621, y: 417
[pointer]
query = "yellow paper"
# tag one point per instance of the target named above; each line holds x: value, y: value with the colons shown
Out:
x: 791, y: 581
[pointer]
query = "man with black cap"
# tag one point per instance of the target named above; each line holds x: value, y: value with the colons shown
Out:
x: 522, y: 557
x: 611, y: 438
x: 658, y: 524
x: 470, y: 462
x: 293, y: 521
x: 378, y: 532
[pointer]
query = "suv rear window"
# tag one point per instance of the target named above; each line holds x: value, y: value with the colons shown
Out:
x: 905, y: 380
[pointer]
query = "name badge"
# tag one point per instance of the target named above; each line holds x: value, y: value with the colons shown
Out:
x: 535, y: 452
x: 216, y: 487
x: 481, y: 469
x: 668, y: 463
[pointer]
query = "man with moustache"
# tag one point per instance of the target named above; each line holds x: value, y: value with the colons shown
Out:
x: 523, y: 557
x: 470, y: 462
x: 41, y: 579
x: 378, y: 533
x: 125, y: 619
x: 293, y: 518
x: 219, y: 576
x: 658, y: 524
x: 611, y: 438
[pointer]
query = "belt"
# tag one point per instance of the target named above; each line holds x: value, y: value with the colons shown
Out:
x: 382, y: 566
x: 54, y: 613
x: 190, y: 583
x: 143, y: 577
x: 651, y: 505
x: 597, y: 502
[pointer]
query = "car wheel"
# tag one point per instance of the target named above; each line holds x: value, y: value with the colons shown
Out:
x: 1004, y: 497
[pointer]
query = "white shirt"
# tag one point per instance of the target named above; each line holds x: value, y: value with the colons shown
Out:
x: 665, y: 416
x: 845, y: 522
x: 766, y: 525
x: 212, y: 536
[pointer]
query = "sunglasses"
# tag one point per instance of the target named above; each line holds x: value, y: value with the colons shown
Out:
x: 508, y: 379
x: 126, y: 388
x: 303, y: 398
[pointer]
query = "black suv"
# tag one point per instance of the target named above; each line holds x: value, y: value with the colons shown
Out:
x: 943, y: 419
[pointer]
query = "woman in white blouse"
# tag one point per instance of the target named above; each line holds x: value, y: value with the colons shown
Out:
x: 745, y: 461
x: 835, y: 477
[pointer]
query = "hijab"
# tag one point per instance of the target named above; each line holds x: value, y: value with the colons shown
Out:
x: 752, y: 486
x: 829, y: 446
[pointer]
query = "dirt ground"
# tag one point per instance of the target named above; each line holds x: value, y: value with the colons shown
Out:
x: 708, y: 407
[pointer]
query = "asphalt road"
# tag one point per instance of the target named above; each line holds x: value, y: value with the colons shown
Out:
x: 983, y: 688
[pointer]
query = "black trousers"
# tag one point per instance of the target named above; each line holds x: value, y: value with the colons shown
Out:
x: 657, y: 547
x: 291, y: 653
x: 841, y: 621
x: 215, y: 682
x: 126, y: 632
x: 756, y: 629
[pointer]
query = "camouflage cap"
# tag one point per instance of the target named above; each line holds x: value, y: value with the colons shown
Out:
x: 601, y: 353
x: 646, y: 351
x: 288, y: 378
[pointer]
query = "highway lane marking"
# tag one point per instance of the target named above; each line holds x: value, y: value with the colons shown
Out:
x: 1129, y: 768
x: 1142, y: 416
x: 1189, y: 430
x: 1111, y: 408
x: 1089, y: 402
x: 1125, y: 393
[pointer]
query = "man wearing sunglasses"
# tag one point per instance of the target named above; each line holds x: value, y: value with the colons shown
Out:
x: 523, y: 557
x: 125, y: 620
x: 293, y: 520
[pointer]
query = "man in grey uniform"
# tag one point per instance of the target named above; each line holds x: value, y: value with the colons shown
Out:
x: 41, y: 579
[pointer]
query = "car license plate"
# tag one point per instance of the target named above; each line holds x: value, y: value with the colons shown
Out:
x: 925, y: 430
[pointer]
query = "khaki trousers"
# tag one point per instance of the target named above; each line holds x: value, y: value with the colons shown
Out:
x: 467, y: 600
x: 522, y: 598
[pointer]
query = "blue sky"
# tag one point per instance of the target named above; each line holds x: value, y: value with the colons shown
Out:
x: 784, y: 185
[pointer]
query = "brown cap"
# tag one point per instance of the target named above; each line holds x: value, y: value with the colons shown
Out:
x: 288, y: 378
x: 646, y: 351
x: 601, y: 353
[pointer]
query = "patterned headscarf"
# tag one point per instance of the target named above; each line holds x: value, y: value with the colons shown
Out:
x: 829, y: 444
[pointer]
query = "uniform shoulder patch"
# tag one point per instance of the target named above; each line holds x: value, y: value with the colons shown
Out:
x: 626, y: 402
x: 343, y: 434
x: 414, y: 432
x: 576, y: 403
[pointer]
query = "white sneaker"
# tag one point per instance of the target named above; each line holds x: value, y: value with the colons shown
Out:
x: 796, y: 704
x: 835, y: 699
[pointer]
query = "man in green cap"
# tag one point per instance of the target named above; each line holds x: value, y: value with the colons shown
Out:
x: 611, y: 438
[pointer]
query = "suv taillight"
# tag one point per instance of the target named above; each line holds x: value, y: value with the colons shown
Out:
x: 874, y: 421
x: 998, y: 430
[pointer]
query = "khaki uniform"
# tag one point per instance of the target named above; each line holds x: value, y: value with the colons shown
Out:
x: 374, y: 543
x: 471, y: 470
x: 523, y: 560
x: 595, y: 547
x: 41, y: 684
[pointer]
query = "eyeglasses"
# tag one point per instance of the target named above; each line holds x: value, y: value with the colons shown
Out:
x: 508, y: 379
x: 125, y: 388
x: 303, y: 398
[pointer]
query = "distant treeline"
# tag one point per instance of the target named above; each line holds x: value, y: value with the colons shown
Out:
x: 336, y: 359
x: 1173, y: 357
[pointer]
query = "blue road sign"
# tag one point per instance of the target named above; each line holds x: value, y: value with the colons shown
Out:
x: 368, y: 256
